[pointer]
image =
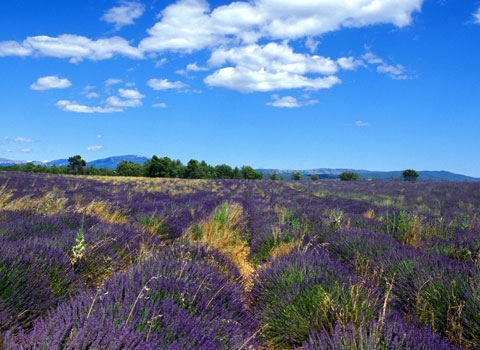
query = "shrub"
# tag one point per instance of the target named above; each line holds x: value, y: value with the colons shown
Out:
x: 349, y: 176
x: 307, y: 289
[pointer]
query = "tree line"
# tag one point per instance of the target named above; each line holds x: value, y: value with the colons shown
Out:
x: 153, y: 167
x: 166, y: 167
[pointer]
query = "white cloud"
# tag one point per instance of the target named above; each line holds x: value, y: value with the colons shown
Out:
x: 393, y: 71
x: 50, y: 82
x: 289, y: 102
x: 311, y: 44
x: 270, y: 67
x: 396, y: 71
x: 26, y: 150
x: 112, y: 81
x: 246, y: 80
x: 286, y: 19
x: 350, y: 63
x: 195, y: 68
x: 160, y: 105
x: 75, y: 107
x: 190, y: 25
x: 476, y: 16
x: 23, y: 140
x: 74, y: 47
x: 115, y: 102
x: 124, y: 14
x: 165, y: 84
x: 130, y: 94
x: 184, y: 26
x: 274, y: 57
x: 360, y: 123
x: 13, y: 48
x: 238, y: 36
x: 91, y: 95
x: 284, y: 102
x: 94, y: 148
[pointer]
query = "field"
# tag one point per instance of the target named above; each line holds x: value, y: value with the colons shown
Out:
x: 133, y: 263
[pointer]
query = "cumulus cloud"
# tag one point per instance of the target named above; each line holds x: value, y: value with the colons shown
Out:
x: 245, y: 80
x: 125, y: 14
x: 284, y: 102
x: 160, y: 105
x: 91, y: 95
x: 251, y: 44
x: 75, y: 107
x: 76, y: 48
x: 270, y: 67
x: 130, y: 94
x: 165, y: 84
x: 275, y: 57
x: 184, y: 26
x: 50, y: 82
x: 190, y: 25
x: 116, y: 102
x: 128, y: 98
x: 350, y: 63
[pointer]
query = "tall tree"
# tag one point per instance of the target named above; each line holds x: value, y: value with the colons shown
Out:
x: 76, y: 165
x: 410, y: 175
x: 129, y: 168
x: 247, y: 172
x: 296, y: 176
x: 349, y: 176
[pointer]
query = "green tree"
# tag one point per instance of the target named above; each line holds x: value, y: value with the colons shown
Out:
x: 160, y: 167
x: 314, y: 177
x: 349, y: 176
x: 76, y: 165
x: 409, y: 175
x: 196, y: 170
x: 237, y: 173
x: 128, y: 168
x: 247, y: 172
x: 223, y: 171
x: 296, y: 176
x: 274, y: 176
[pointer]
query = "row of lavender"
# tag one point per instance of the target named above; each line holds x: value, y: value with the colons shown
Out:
x: 433, y: 280
x: 349, y: 279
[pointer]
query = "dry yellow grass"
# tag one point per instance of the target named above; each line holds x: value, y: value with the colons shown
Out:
x: 369, y: 214
x: 283, y: 249
x: 104, y: 211
x: 222, y: 231
x: 50, y: 203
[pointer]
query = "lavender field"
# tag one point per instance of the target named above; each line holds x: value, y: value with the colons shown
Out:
x: 133, y: 263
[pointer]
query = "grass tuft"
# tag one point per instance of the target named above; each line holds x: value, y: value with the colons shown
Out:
x: 222, y: 231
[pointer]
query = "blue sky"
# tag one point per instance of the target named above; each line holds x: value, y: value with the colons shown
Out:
x: 361, y: 84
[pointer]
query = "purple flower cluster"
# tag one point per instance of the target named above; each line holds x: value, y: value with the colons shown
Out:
x: 309, y: 290
x: 178, y: 300
x: 395, y: 333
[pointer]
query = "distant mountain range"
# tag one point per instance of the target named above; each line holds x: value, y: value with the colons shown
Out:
x: 329, y: 173
x: 322, y: 173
